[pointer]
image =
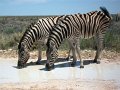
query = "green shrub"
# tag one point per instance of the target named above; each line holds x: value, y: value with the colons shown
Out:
x: 12, y: 29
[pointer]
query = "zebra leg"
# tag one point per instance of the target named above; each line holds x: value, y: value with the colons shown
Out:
x: 99, y: 39
x: 74, y: 55
x: 39, y: 54
x: 79, y: 55
x: 69, y: 56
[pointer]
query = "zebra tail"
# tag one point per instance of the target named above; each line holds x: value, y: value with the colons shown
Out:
x: 105, y: 11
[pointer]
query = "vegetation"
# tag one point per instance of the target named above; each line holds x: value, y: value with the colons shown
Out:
x: 13, y: 27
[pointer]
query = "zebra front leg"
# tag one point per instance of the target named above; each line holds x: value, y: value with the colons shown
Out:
x: 69, y: 56
x: 39, y: 54
x: 74, y: 55
x: 79, y: 55
x: 99, y: 48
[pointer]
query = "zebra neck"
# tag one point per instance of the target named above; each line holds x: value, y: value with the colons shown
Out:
x: 28, y: 44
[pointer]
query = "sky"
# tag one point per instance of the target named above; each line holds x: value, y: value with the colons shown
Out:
x: 55, y: 7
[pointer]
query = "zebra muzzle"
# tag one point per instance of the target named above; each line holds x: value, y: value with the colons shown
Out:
x: 21, y: 65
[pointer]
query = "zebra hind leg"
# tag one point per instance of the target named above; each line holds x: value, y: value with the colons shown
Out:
x: 99, y: 48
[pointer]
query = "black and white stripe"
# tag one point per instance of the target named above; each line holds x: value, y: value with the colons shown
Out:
x: 38, y: 31
x: 78, y: 26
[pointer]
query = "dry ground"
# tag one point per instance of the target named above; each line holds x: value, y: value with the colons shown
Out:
x: 63, y: 85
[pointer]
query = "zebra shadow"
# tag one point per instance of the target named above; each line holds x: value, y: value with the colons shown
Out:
x: 68, y: 64
x: 60, y: 63
x: 42, y: 62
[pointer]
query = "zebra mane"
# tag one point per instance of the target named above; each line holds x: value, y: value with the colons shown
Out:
x: 31, y: 25
x: 27, y: 29
x: 105, y: 11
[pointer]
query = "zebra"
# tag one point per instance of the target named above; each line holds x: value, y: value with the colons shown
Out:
x: 36, y: 32
x: 76, y: 26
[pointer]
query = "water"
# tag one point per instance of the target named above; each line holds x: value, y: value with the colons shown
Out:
x: 32, y: 73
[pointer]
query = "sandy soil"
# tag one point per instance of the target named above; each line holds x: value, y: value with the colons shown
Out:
x: 76, y: 84
x: 63, y: 85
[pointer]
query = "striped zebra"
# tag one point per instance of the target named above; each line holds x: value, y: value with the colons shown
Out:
x: 77, y: 26
x: 36, y: 32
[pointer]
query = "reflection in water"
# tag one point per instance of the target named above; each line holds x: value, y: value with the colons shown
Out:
x: 62, y: 70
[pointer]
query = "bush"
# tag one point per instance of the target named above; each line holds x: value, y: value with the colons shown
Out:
x: 12, y: 29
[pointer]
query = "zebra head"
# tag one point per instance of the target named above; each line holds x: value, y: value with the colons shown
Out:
x: 23, y: 55
x: 51, y: 54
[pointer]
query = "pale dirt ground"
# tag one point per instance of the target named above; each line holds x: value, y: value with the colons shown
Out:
x: 76, y: 84
x: 63, y: 85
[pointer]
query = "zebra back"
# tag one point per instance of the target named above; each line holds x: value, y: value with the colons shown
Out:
x: 38, y: 30
x: 80, y: 25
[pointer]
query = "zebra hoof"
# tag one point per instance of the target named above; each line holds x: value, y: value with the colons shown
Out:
x: 67, y: 59
x: 95, y: 61
x: 71, y: 56
x: 98, y: 62
x: 73, y: 64
x: 38, y: 62
x: 81, y: 66
x: 48, y: 67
